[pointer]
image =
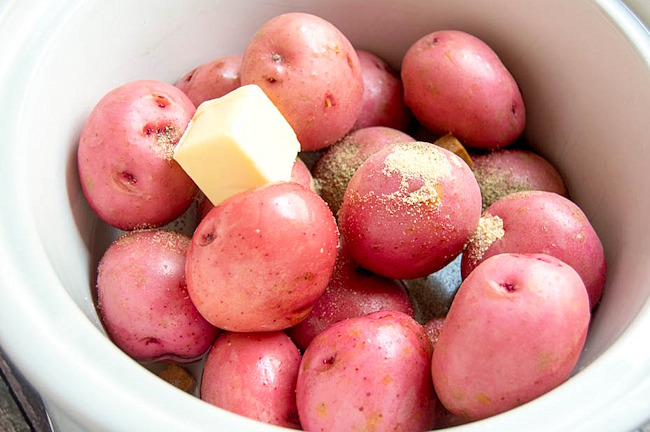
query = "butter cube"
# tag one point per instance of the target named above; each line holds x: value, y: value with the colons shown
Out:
x: 237, y: 142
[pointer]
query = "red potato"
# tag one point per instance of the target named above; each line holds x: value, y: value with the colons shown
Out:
x: 336, y: 166
x: 368, y: 373
x: 352, y: 292
x: 254, y: 374
x: 299, y: 174
x: 540, y: 222
x: 455, y: 83
x: 383, y: 95
x: 212, y: 80
x: 507, y: 171
x: 409, y: 210
x: 125, y: 162
x: 142, y: 298
x: 311, y: 72
x: 259, y: 260
x: 514, y: 332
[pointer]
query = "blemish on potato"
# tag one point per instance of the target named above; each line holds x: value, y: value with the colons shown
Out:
x: 321, y: 409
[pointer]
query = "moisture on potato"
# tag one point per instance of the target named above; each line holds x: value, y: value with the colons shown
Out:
x: 212, y: 80
x: 337, y: 164
x: 409, y: 210
x: 383, y: 95
x: 540, y: 222
x: 514, y: 331
x: 455, y: 83
x: 311, y: 72
x: 125, y: 151
x: 352, y: 291
x: 259, y: 260
x: 254, y: 374
x: 142, y: 298
x: 502, y: 172
x: 368, y: 373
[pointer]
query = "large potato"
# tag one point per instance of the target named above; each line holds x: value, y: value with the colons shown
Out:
x: 455, y: 83
x: 254, y: 374
x: 369, y: 373
x: 142, y: 297
x: 540, y: 222
x: 125, y: 154
x: 259, y: 260
x: 311, y: 72
x: 514, y: 331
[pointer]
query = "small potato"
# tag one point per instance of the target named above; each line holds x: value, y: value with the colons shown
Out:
x: 369, y: 373
x: 212, y: 80
x: 383, y: 95
x: 514, y: 331
x: 142, y: 298
x: 125, y: 154
x: 409, y: 210
x: 455, y: 83
x: 352, y: 291
x: 502, y: 172
x: 336, y: 166
x: 254, y: 374
x: 311, y: 72
x: 540, y: 222
x: 259, y: 260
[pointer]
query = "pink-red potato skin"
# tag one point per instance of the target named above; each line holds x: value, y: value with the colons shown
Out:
x: 409, y: 210
x: 455, y: 83
x: 299, y: 174
x: 212, y: 80
x: 544, y: 222
x: 514, y: 331
x: 311, y: 72
x: 337, y: 164
x: 143, y: 301
x: 383, y: 95
x: 502, y: 172
x: 254, y: 375
x: 352, y: 292
x: 368, y: 373
x: 259, y: 260
x: 125, y: 155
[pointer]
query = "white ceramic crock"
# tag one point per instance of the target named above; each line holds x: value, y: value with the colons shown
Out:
x: 583, y: 67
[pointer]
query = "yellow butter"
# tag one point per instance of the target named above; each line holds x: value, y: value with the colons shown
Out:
x: 237, y: 142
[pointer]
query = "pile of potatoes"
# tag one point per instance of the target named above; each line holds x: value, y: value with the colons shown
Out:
x: 295, y: 295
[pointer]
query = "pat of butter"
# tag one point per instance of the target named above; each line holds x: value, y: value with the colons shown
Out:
x: 237, y: 142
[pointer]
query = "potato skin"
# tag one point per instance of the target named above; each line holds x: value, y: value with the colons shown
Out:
x: 311, y: 72
x: 368, y: 373
x: 212, y: 79
x: 455, y: 83
x: 514, y: 331
x: 125, y: 155
x: 259, y: 260
x: 352, y: 291
x: 543, y: 222
x: 143, y: 301
x: 383, y: 95
x: 254, y: 374
x: 502, y: 172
